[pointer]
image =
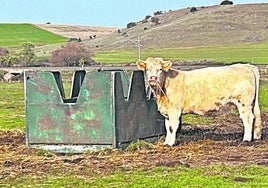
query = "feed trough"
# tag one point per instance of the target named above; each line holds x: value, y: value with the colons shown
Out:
x: 105, y: 109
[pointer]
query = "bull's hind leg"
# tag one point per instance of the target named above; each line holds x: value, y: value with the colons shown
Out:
x: 247, y: 117
x: 257, y: 121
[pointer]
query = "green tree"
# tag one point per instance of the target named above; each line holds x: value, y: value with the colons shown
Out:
x: 27, y: 55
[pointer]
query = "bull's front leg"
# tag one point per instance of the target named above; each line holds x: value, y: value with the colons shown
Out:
x: 171, y: 128
x: 167, y: 132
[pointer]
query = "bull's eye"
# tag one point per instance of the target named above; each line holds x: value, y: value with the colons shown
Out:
x: 160, y: 69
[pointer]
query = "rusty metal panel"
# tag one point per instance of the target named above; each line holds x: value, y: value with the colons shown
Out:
x: 50, y: 120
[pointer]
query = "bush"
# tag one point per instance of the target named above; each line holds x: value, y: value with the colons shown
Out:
x: 3, y: 51
x: 131, y: 24
x: 27, y: 56
x: 10, y: 60
x: 155, y: 20
x: 226, y: 2
x: 193, y: 9
x: 71, y: 55
x: 158, y: 13
x: 147, y: 17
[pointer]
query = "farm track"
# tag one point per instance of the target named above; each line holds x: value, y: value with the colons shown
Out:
x: 218, y: 143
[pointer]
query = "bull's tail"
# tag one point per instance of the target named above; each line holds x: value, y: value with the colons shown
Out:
x: 256, y: 108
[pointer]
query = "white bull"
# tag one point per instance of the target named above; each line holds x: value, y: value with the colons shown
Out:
x: 203, y: 90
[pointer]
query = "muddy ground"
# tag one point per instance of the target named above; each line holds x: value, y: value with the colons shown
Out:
x: 218, y: 143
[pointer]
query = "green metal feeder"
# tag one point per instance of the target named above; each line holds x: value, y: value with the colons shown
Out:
x: 105, y: 109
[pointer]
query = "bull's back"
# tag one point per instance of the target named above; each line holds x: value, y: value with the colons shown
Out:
x: 207, y: 89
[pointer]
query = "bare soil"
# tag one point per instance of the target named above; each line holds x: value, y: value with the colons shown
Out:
x: 219, y: 143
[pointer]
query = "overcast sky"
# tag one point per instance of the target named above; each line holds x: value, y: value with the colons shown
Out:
x: 114, y: 13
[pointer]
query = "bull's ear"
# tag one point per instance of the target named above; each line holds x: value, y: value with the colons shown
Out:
x: 141, y: 65
x: 166, y: 65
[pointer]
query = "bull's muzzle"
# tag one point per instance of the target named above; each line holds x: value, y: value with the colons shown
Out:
x: 153, y: 80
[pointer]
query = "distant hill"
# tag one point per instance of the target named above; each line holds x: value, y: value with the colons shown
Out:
x: 77, y: 31
x: 12, y: 35
x: 201, y: 26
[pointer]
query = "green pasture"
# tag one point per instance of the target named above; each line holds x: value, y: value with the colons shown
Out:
x: 12, y: 35
x: 12, y: 107
x: 253, y: 53
x: 178, y: 176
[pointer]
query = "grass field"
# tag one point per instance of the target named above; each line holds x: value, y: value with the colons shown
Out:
x: 256, y: 53
x: 212, y: 176
x: 12, y: 35
x: 12, y: 108
x: 12, y: 117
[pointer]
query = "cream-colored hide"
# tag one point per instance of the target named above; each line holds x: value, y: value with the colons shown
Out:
x: 203, y: 90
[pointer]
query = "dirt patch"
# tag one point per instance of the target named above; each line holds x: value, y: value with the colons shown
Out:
x: 216, y: 144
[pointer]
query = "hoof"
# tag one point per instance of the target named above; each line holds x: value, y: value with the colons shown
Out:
x: 257, y: 136
x: 168, y: 144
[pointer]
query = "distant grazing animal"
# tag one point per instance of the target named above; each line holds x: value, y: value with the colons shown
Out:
x: 204, y: 90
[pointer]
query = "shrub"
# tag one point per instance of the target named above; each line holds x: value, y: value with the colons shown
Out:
x: 193, y: 9
x: 9, y: 60
x: 71, y: 55
x: 3, y: 51
x: 155, y: 20
x: 131, y: 24
x: 158, y: 13
x: 226, y: 2
x: 27, y: 56
x: 147, y: 17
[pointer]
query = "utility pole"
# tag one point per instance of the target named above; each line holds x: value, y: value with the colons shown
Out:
x: 138, y: 44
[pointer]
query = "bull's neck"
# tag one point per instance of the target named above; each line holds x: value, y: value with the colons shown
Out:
x: 160, y: 94
x: 162, y: 98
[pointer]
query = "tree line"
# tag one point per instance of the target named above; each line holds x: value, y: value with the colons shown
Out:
x: 70, y: 54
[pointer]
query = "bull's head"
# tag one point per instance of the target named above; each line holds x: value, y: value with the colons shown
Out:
x: 154, y: 69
